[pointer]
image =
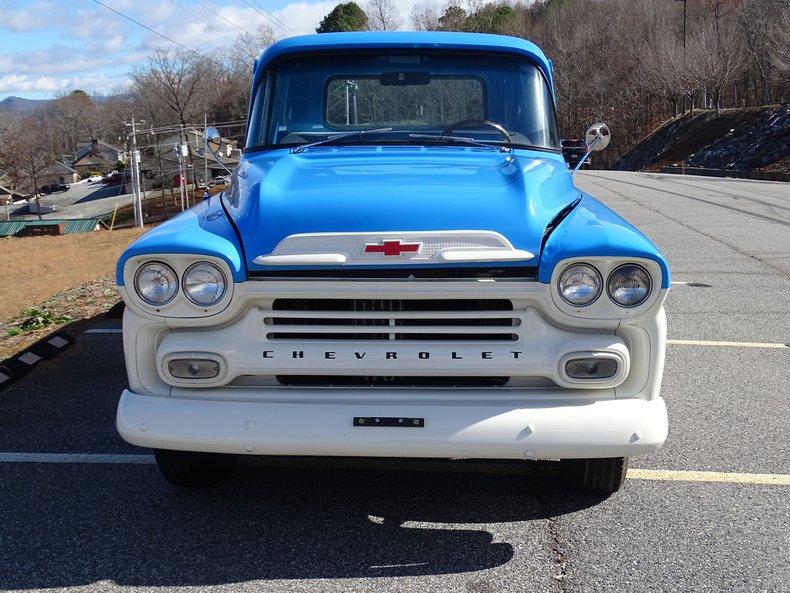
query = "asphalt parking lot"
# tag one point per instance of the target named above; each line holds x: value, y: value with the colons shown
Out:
x: 81, y: 200
x: 108, y: 522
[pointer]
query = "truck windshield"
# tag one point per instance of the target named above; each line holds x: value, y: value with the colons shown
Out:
x: 403, y: 98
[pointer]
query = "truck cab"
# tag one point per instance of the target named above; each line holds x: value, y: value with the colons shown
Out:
x: 401, y: 267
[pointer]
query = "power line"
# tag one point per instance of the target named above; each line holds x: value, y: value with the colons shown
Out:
x: 274, y: 17
x: 163, y: 36
x: 214, y: 12
x: 194, y: 16
x: 284, y: 28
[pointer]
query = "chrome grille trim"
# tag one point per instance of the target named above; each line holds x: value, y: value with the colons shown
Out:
x: 392, y: 319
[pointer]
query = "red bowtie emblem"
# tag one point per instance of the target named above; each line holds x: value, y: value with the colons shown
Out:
x: 395, y: 247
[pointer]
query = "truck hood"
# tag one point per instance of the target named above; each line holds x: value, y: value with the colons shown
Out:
x: 362, y: 189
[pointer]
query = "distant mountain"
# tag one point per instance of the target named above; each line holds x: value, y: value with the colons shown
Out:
x: 20, y: 107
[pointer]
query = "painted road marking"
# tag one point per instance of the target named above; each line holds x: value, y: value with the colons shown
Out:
x: 728, y: 344
x: 29, y: 358
x: 58, y: 342
x: 104, y: 330
x: 633, y: 473
x: 717, y: 477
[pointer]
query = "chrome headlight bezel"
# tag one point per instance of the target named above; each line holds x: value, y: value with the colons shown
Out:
x: 167, y: 268
x: 639, y: 268
x: 185, y: 283
x: 592, y: 271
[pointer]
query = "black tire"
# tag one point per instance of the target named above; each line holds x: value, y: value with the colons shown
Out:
x: 598, y: 476
x: 194, y: 470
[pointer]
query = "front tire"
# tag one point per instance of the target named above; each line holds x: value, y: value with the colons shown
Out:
x: 193, y: 469
x: 598, y: 476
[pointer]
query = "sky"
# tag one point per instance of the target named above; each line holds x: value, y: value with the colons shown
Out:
x: 52, y: 46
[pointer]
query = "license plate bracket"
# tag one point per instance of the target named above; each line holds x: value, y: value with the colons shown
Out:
x: 394, y: 421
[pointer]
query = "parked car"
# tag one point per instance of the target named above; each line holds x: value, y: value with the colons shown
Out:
x: 404, y: 268
x: 116, y: 178
x: 220, y: 180
x: 573, y: 150
x: 94, y: 178
x: 52, y: 188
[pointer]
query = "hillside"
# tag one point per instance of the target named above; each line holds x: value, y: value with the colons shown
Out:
x: 21, y: 107
x: 743, y: 139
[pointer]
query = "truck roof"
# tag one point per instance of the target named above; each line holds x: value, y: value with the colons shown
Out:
x: 431, y: 40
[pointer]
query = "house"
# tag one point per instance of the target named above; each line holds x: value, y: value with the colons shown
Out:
x: 57, y: 172
x: 96, y: 155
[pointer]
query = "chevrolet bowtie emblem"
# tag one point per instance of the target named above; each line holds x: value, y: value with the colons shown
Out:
x: 394, y: 247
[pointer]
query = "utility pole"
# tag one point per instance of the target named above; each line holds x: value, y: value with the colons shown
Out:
x: 137, y: 204
x: 205, y: 152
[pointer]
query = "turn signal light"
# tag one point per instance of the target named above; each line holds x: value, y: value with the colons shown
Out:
x: 591, y: 368
x: 193, y: 368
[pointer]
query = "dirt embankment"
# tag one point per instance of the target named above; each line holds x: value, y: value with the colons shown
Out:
x: 744, y: 139
x: 38, y: 267
x: 52, y: 281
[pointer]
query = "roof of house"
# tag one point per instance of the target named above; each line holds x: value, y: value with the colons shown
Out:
x: 58, y: 165
x: 88, y: 148
x: 71, y: 226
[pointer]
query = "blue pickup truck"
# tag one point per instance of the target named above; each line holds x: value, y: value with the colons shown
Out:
x: 401, y: 267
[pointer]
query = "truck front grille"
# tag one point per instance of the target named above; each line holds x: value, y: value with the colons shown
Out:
x: 392, y: 319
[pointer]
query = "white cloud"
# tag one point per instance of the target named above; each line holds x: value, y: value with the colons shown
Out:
x: 15, y: 83
x: 91, y: 43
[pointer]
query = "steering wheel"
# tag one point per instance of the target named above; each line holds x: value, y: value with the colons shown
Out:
x: 476, y: 123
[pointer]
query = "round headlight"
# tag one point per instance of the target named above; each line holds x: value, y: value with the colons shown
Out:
x: 629, y: 285
x: 580, y: 285
x: 156, y: 283
x: 204, y: 284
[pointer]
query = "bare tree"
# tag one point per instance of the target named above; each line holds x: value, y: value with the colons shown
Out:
x: 383, y: 15
x: 425, y: 16
x: 26, y: 151
x: 176, y: 80
x: 74, y: 118
x: 714, y: 60
x: 778, y: 42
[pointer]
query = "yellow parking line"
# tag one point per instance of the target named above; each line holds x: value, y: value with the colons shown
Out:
x: 718, y: 477
x: 728, y: 344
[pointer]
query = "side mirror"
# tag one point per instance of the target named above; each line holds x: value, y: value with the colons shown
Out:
x: 214, y: 141
x: 213, y: 144
x: 597, y: 137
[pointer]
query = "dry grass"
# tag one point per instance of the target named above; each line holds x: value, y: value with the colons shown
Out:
x: 66, y: 307
x: 38, y: 267
x: 52, y: 281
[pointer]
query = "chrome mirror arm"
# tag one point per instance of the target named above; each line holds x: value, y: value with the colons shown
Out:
x: 211, y: 137
x: 590, y: 150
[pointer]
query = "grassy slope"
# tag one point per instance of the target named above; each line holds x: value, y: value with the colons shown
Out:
x: 71, y: 276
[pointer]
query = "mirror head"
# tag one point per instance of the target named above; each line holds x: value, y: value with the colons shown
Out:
x: 212, y: 139
x: 597, y: 137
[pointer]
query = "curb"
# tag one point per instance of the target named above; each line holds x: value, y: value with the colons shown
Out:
x: 14, y: 368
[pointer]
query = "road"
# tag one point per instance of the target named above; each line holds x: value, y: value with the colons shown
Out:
x: 114, y: 525
x: 81, y: 200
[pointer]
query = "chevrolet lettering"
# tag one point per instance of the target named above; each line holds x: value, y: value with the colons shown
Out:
x: 400, y: 267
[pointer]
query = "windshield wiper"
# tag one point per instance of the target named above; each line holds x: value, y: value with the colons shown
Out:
x: 459, y: 140
x: 336, y: 137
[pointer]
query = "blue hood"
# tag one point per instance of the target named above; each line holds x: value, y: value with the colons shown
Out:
x: 376, y: 189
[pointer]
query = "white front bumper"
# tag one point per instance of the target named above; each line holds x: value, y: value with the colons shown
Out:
x: 467, y: 429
